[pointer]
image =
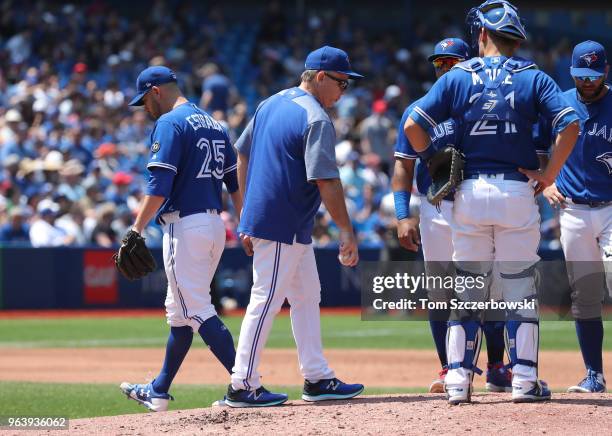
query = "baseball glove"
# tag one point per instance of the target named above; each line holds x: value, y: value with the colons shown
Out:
x: 133, y: 259
x: 446, y: 170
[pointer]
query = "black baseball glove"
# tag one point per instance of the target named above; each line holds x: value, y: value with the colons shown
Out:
x: 446, y: 170
x: 133, y: 259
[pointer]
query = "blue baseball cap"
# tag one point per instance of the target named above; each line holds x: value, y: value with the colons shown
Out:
x: 588, y: 59
x: 450, y: 48
x: 329, y: 58
x: 152, y: 76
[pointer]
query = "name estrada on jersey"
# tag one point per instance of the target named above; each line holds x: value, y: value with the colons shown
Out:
x: 196, y: 150
x: 587, y: 173
x: 500, y: 100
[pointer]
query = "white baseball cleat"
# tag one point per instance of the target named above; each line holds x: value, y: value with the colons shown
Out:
x: 458, y: 394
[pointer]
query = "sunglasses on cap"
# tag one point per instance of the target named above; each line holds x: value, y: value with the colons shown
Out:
x: 445, y: 62
x: 342, y: 83
x: 589, y: 78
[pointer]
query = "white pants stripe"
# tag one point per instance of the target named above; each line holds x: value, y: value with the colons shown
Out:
x: 192, y: 248
x: 172, y: 263
x: 263, y: 316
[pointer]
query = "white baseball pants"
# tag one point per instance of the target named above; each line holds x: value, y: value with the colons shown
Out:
x: 281, y: 271
x: 586, y: 238
x: 192, y: 248
x: 498, y: 220
x: 437, y: 242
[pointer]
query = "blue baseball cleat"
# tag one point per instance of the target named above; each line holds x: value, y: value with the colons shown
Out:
x: 259, y: 397
x: 330, y: 389
x: 145, y: 395
x: 499, y: 378
x: 594, y: 382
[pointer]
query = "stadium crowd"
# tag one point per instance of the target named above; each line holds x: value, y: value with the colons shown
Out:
x: 73, y: 155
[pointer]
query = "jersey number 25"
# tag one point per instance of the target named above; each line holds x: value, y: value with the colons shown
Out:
x: 214, y: 158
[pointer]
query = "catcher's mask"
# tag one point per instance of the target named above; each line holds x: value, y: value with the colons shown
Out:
x: 497, y: 16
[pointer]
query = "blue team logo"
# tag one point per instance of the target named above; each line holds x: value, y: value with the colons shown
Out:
x: 606, y: 159
x: 589, y: 58
x: 155, y: 147
x: 447, y: 43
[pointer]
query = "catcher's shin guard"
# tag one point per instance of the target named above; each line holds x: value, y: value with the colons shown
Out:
x: 522, y: 343
x: 463, y: 346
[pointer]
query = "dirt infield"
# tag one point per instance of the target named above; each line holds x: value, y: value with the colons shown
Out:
x: 410, y: 414
x: 406, y: 414
x: 392, y: 368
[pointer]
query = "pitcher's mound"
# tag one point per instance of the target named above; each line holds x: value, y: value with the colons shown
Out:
x: 406, y: 414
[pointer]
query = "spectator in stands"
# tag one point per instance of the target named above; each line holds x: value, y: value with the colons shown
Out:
x: 216, y: 89
x: 16, y: 230
x: 375, y: 133
x: 72, y: 224
x: 44, y: 232
x: 103, y: 233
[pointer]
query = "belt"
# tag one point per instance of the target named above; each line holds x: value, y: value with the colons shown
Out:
x: 513, y: 175
x: 172, y: 217
x: 592, y: 204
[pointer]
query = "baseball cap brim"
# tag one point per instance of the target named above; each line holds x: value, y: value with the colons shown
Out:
x: 137, y: 100
x: 582, y: 72
x: 433, y: 57
x: 351, y: 74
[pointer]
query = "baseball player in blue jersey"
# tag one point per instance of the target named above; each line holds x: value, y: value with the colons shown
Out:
x: 286, y: 166
x: 435, y: 227
x: 497, y: 99
x: 191, y: 157
x: 583, y: 190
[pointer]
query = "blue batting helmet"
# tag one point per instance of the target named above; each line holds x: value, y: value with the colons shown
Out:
x: 497, y: 16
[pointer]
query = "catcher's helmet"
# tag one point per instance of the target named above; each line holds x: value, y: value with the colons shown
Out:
x: 497, y: 16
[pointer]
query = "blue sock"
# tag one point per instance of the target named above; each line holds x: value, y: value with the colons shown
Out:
x: 179, y: 342
x: 590, y: 337
x: 438, y: 331
x: 219, y: 340
x: 494, y: 334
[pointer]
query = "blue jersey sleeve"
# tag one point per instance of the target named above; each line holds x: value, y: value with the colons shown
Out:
x: 434, y: 107
x: 230, y: 163
x: 542, y: 136
x: 403, y: 148
x: 166, y: 147
x: 230, y: 178
x: 160, y: 182
x: 552, y: 105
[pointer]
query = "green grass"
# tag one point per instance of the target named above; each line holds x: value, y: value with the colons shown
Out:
x: 87, y: 400
x: 339, y: 331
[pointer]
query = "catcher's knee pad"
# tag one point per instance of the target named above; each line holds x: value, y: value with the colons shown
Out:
x: 522, y: 343
x: 588, y: 290
x: 520, y: 287
x: 463, y: 340
x: 470, y: 287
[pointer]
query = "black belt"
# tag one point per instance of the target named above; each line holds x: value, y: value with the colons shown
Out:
x: 514, y: 175
x: 589, y: 203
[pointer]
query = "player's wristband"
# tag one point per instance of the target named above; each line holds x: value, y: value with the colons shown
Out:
x: 402, y: 204
x: 426, y: 154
